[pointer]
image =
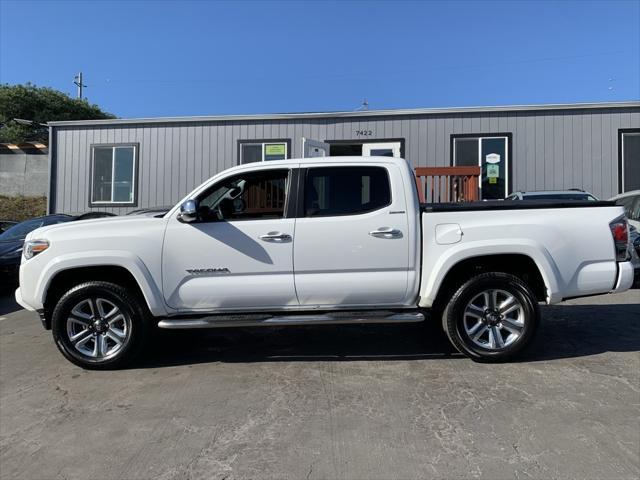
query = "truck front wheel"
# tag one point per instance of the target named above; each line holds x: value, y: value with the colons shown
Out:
x: 99, y: 325
x: 492, y: 317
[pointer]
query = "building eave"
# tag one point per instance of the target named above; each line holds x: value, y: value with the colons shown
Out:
x: 350, y: 114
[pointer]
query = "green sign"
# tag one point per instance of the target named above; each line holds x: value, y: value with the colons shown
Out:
x: 493, y: 171
x: 275, y: 149
x: 493, y: 180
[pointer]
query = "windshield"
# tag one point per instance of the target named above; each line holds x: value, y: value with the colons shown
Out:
x: 19, y: 231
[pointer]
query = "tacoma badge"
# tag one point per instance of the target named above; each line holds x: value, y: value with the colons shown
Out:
x: 206, y: 271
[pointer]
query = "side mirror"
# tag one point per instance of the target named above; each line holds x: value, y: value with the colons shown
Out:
x: 188, y: 212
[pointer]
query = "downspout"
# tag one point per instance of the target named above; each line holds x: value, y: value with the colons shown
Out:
x: 51, y: 190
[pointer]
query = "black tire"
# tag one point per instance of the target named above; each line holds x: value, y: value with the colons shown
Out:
x: 456, y: 318
x: 134, y: 315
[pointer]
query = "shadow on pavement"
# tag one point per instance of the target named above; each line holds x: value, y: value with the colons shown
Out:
x: 298, y: 343
x: 567, y: 331
x: 570, y: 331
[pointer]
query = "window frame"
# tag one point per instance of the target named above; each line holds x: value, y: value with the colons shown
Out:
x: 290, y: 194
x: 301, y: 206
x: 263, y: 142
x: 509, y: 150
x: 621, y: 133
x: 134, y: 180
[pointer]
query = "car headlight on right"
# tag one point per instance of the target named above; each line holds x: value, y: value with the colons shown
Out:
x: 34, y: 247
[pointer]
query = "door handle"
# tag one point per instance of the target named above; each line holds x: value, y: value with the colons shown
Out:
x: 386, y: 232
x: 275, y: 237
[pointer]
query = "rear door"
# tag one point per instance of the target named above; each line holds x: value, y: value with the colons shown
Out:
x: 352, y: 240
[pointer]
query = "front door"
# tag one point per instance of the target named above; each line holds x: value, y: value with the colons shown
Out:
x: 239, y: 254
x: 386, y: 149
x: 352, y: 245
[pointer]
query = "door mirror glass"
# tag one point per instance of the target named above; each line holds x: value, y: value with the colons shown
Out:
x: 188, y: 212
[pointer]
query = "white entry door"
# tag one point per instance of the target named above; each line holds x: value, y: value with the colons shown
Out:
x: 314, y: 148
x: 387, y: 149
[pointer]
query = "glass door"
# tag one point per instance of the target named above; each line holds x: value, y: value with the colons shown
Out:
x: 491, y: 154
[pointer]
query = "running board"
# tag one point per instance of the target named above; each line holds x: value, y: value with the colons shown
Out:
x: 257, y: 320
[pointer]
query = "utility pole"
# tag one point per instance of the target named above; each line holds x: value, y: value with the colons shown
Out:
x: 77, y: 80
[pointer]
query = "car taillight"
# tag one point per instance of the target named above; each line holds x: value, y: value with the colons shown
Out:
x: 620, y: 234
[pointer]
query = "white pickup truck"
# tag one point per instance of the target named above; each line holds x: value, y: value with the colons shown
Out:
x: 319, y: 241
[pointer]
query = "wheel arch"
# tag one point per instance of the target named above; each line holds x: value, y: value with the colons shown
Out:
x: 63, y: 278
x: 521, y: 265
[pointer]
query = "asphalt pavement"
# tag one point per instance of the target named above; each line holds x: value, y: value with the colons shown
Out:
x: 339, y: 402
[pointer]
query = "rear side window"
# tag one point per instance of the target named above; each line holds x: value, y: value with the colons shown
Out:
x: 332, y: 191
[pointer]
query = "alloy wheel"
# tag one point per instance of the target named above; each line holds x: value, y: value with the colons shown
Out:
x: 494, y: 319
x: 98, y: 328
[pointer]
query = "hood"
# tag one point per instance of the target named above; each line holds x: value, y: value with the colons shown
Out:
x: 83, y: 227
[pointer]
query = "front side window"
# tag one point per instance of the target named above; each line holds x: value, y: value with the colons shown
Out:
x: 260, y: 151
x: 113, y: 174
x: 331, y: 191
x: 248, y: 196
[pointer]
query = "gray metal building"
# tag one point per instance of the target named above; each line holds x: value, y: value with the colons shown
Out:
x: 123, y: 164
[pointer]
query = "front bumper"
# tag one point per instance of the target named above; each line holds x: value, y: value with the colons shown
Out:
x: 22, y: 303
x: 625, y: 277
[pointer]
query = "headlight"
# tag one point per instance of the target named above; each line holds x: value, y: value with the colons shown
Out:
x: 34, y: 247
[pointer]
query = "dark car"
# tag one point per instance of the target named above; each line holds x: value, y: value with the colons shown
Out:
x: 12, y: 239
x: 6, y: 224
x: 11, y: 244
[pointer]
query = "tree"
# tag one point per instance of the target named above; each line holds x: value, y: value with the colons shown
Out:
x: 39, y: 105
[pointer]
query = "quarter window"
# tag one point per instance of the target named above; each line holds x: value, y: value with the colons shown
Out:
x: 249, y: 196
x: 331, y: 191
x: 263, y: 151
x: 113, y: 174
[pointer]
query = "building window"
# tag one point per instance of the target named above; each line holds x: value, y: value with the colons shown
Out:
x: 113, y: 174
x: 263, y: 150
x: 629, y: 159
x: 490, y: 152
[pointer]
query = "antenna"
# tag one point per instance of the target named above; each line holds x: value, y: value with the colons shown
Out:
x: 364, y: 106
x: 77, y: 81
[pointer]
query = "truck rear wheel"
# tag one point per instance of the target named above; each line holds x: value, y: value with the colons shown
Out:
x: 99, y: 325
x: 492, y: 317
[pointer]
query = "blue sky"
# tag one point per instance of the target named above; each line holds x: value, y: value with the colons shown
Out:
x: 161, y: 58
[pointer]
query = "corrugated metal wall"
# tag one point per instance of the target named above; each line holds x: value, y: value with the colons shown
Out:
x: 553, y: 149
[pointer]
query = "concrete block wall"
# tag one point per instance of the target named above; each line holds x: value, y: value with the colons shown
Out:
x: 24, y: 173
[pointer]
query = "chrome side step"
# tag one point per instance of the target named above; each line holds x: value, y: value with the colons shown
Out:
x: 258, y: 320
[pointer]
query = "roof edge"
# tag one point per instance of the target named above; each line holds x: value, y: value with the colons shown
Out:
x: 347, y: 114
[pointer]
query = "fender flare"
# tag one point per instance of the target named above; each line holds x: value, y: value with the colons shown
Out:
x: 535, y: 251
x: 116, y: 258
